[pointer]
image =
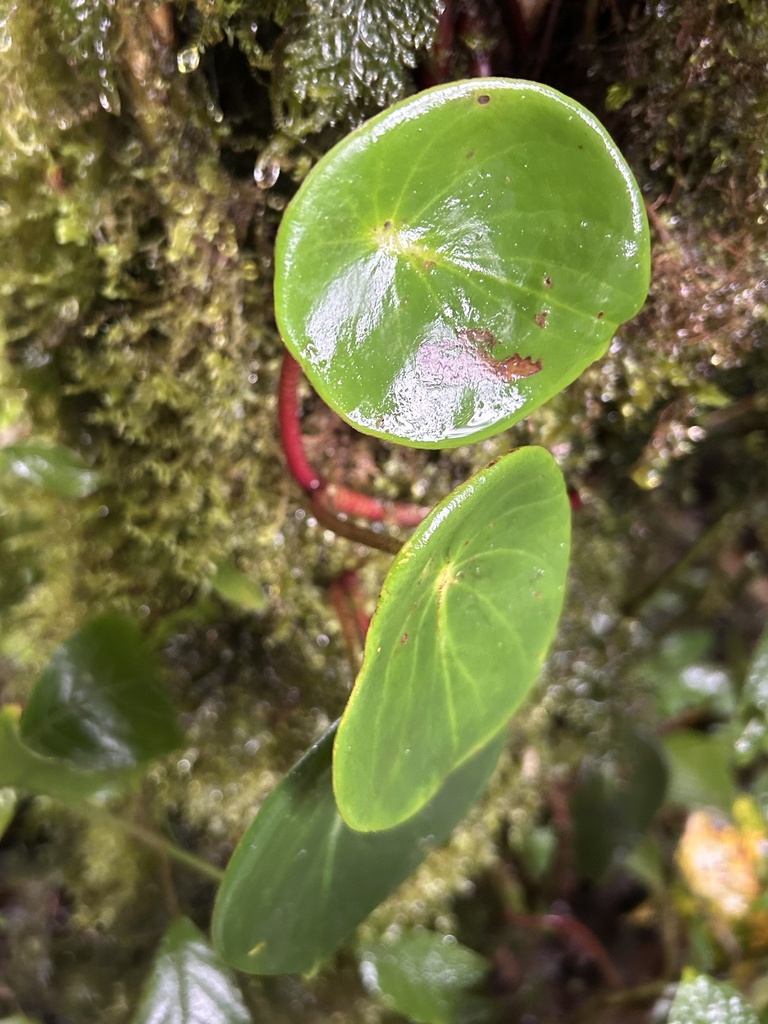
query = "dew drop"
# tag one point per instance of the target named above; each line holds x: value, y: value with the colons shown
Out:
x: 188, y: 60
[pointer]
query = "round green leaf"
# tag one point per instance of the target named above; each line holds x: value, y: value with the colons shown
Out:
x: 100, y: 702
x: 464, y: 621
x: 459, y: 259
x: 424, y: 976
x: 300, y: 880
x: 53, y: 467
x: 187, y: 984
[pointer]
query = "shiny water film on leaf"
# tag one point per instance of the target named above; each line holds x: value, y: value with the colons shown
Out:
x: 188, y: 985
x: 466, y: 615
x: 704, y: 1000
x: 426, y: 977
x: 300, y: 880
x: 100, y: 702
x: 460, y: 259
x: 52, y: 467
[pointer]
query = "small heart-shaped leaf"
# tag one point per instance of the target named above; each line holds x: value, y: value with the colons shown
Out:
x: 100, y: 703
x: 466, y: 615
x: 459, y: 259
x: 300, y: 880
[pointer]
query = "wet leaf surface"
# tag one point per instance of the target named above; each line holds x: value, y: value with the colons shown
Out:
x: 188, y: 985
x: 465, y: 619
x: 53, y: 467
x: 300, y: 880
x: 460, y: 259
x: 425, y: 977
x: 702, y: 1000
x: 30, y: 772
x: 100, y: 703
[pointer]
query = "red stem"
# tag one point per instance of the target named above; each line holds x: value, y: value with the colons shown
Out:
x: 344, y: 593
x: 336, y: 499
x: 353, y: 503
x: 290, y: 426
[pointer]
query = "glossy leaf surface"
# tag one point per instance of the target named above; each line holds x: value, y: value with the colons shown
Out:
x: 188, y: 985
x: 424, y: 976
x: 459, y: 259
x: 466, y: 615
x: 53, y: 467
x: 100, y: 702
x: 30, y: 772
x: 300, y: 880
x: 703, y: 1000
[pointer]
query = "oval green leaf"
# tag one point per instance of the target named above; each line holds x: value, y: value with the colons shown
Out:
x: 426, y: 977
x: 466, y: 615
x: 100, y: 702
x: 188, y: 985
x: 459, y: 259
x: 300, y: 880
x: 53, y: 467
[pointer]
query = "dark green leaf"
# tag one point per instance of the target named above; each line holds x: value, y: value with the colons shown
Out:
x: 425, y: 977
x: 29, y: 772
x: 100, y: 702
x: 460, y: 259
x: 300, y: 880
x: 701, y: 769
x: 702, y: 1000
x: 611, y: 813
x: 188, y: 985
x: 51, y: 466
x: 466, y: 615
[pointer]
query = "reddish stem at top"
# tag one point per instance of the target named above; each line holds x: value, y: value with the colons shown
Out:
x: 290, y: 426
x: 333, y: 498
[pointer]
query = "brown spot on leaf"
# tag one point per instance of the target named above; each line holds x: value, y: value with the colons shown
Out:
x: 600, y: 315
x: 547, y: 281
x: 541, y: 318
x: 483, y: 98
x: 470, y: 154
x: 428, y: 264
x: 480, y: 336
x: 387, y: 224
x: 404, y: 638
x: 518, y: 366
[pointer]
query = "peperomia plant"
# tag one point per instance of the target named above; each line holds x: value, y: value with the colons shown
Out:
x: 442, y: 272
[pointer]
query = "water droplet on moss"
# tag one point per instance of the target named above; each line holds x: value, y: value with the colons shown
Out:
x: 188, y: 60
x: 266, y: 173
